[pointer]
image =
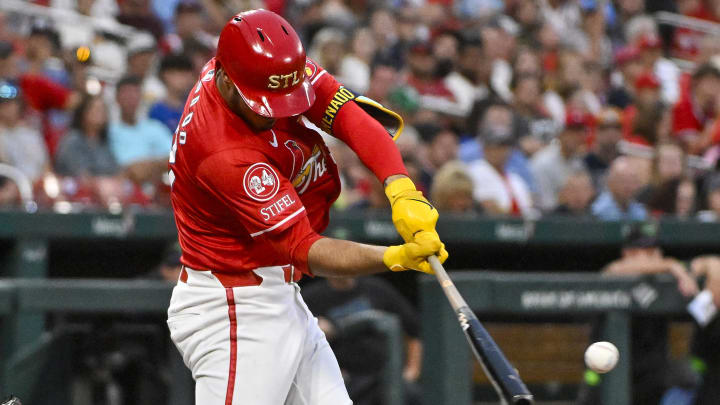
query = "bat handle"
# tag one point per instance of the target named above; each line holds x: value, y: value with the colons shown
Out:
x: 456, y: 300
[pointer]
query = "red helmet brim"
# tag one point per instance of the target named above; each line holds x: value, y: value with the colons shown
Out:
x: 271, y: 105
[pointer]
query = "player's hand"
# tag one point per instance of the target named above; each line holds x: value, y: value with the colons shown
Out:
x: 413, y: 255
x: 411, y: 212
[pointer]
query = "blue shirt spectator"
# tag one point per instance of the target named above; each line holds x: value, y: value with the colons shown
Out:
x: 167, y: 114
x: 145, y: 140
x: 176, y: 73
x: 618, y: 202
x: 136, y: 139
x: 606, y: 208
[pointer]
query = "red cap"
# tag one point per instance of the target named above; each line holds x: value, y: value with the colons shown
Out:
x: 423, y: 47
x: 647, y: 81
x: 626, y: 54
x: 265, y: 59
x: 576, y: 118
x: 649, y: 41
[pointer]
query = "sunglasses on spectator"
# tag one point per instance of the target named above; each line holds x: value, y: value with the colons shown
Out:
x: 8, y: 92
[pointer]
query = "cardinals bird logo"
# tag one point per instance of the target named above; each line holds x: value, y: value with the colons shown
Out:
x: 304, y: 171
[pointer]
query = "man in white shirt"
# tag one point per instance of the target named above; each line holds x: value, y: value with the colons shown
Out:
x: 552, y: 165
x: 498, y: 191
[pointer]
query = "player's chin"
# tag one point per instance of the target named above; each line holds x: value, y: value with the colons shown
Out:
x: 267, y: 123
x: 260, y: 123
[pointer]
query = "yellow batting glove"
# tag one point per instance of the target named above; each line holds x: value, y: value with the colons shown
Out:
x: 413, y: 255
x: 411, y: 212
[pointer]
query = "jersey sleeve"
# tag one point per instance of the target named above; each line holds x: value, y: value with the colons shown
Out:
x: 336, y: 113
x: 264, y: 201
x: 330, y: 96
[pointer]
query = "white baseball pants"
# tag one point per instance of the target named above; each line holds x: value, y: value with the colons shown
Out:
x: 255, y: 345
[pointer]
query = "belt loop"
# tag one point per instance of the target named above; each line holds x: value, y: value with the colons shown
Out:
x: 292, y: 274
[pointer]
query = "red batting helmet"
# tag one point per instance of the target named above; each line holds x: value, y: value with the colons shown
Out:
x: 265, y: 59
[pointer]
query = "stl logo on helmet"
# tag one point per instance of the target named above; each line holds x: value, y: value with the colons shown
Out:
x: 283, y: 81
x: 261, y: 182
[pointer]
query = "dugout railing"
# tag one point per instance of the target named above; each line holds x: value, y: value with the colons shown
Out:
x: 528, y: 297
x: 28, y: 353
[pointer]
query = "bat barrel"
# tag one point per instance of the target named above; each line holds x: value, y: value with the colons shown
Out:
x: 502, y: 375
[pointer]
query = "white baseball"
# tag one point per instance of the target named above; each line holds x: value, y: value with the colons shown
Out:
x: 601, y: 357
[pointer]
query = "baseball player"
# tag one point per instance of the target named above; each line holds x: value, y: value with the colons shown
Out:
x: 252, y: 185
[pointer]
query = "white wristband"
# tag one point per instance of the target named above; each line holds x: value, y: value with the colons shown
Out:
x: 702, y: 308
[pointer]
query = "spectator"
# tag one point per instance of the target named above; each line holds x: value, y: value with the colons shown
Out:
x: 673, y: 198
x: 618, y: 202
x: 527, y: 63
x: 176, y: 73
x: 605, y: 145
x: 360, y: 355
x: 468, y: 82
x: 452, y: 189
x: 647, y: 117
x: 355, y: 66
x: 8, y: 61
x: 576, y: 195
x: 21, y: 146
x: 189, y: 27
x: 669, y: 163
x: 496, y: 114
x: 553, y: 164
x: 382, y: 80
x: 668, y: 168
x: 712, y: 191
x: 47, y: 98
x: 565, y: 18
x: 623, y: 81
x: 685, y: 199
x: 141, y: 55
x: 138, y: 14
x: 84, y: 151
x: 497, y: 190
x: 534, y: 121
x: 384, y: 29
x: 692, y: 115
x: 498, y: 47
x: 527, y: 14
x: 435, y: 96
x: 40, y: 48
x: 664, y: 69
x: 139, y: 144
x: 441, y: 148
x: 328, y: 49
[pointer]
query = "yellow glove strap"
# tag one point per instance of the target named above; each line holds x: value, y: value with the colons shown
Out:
x: 398, y: 187
x: 392, y: 258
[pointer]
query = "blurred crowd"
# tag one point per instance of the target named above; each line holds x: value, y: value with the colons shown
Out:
x: 528, y: 108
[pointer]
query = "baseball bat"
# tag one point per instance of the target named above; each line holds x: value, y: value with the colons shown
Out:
x: 502, y: 375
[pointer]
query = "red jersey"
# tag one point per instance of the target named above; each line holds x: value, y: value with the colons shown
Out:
x: 233, y: 187
x: 688, y: 119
